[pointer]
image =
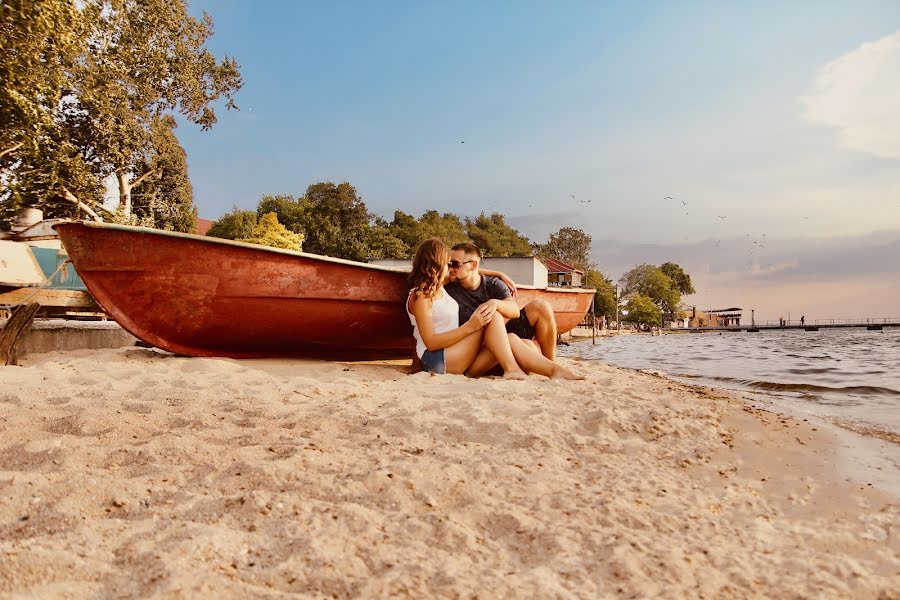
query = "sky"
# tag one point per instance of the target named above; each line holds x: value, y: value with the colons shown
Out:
x: 756, y: 144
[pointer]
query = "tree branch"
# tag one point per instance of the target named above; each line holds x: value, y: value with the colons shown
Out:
x: 11, y: 149
x: 141, y: 179
x: 65, y: 193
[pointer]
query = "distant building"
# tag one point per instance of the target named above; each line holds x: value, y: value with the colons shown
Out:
x: 203, y: 225
x: 722, y: 317
x: 560, y: 274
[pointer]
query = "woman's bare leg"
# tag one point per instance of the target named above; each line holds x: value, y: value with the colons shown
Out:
x: 530, y: 359
x: 460, y: 355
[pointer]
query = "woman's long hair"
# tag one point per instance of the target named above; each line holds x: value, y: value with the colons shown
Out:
x: 428, y: 267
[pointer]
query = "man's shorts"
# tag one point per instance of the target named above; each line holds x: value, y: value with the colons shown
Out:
x: 434, y: 361
x: 521, y: 326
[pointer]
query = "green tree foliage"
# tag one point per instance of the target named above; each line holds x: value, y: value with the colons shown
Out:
x: 335, y: 221
x: 84, y: 86
x: 495, y: 238
x: 570, y: 245
x: 382, y: 244
x: 236, y: 225
x: 168, y: 198
x: 145, y: 58
x: 643, y: 310
x: 269, y: 232
x: 404, y: 228
x: 41, y: 132
x: 605, y: 296
x: 650, y: 281
x: 681, y: 281
x: 446, y: 226
x: 291, y: 211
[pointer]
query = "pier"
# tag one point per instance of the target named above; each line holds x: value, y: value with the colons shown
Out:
x: 877, y: 324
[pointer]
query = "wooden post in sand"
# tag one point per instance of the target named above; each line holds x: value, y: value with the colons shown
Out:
x: 14, y: 332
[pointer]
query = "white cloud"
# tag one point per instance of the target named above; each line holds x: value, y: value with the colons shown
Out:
x: 859, y: 94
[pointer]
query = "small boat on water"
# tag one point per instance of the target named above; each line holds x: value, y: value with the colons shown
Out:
x: 205, y: 296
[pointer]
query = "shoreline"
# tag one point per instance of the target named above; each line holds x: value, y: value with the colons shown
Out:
x: 868, y: 453
x: 136, y: 472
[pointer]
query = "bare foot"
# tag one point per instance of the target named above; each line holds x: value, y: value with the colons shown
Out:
x: 515, y: 374
x: 560, y: 372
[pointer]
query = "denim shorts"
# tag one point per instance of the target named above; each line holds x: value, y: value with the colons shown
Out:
x: 434, y: 361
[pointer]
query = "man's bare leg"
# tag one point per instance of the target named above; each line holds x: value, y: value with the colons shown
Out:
x: 497, y: 341
x: 533, y: 361
x: 540, y: 314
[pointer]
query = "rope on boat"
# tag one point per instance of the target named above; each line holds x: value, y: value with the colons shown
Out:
x: 47, y: 281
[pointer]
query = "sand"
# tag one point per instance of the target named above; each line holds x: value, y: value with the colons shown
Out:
x: 135, y: 473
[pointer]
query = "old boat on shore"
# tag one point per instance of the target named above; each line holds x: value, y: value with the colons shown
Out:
x: 205, y: 296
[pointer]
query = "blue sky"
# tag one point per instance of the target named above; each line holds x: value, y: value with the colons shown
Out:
x: 761, y: 121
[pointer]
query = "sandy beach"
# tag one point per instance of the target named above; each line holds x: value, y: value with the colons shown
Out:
x: 135, y: 473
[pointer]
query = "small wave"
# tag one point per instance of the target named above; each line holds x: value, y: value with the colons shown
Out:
x: 808, y: 387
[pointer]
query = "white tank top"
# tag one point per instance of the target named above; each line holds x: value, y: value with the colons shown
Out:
x: 444, y: 315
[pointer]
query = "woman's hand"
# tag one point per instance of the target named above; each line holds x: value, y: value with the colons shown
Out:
x: 482, y: 316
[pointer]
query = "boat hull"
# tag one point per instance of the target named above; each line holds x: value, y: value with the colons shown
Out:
x: 202, y: 296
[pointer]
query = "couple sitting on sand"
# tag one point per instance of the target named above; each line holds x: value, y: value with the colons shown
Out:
x: 459, y: 318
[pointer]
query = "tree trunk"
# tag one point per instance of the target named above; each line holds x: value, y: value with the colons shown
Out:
x: 125, y: 188
x: 124, y: 193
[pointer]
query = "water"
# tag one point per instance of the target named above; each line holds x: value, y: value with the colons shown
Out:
x: 848, y: 376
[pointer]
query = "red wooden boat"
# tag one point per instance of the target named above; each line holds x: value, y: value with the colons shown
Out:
x: 205, y: 296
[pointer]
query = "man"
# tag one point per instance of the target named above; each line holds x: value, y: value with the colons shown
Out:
x: 471, y: 289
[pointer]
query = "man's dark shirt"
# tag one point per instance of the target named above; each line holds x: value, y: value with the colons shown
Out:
x: 491, y: 288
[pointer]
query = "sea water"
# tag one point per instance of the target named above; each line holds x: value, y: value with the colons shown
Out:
x: 850, y: 377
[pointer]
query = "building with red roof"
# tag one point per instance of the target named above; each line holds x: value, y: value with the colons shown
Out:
x: 561, y: 274
x: 203, y: 225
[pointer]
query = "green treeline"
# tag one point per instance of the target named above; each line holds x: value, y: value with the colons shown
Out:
x: 331, y: 219
x: 89, y: 92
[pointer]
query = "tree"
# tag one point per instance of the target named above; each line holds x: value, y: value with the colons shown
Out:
x: 168, y: 198
x: 335, y: 221
x: 447, y: 227
x: 570, y: 245
x: 495, y: 238
x: 42, y: 135
x: 649, y: 280
x: 382, y: 244
x: 605, y: 296
x: 41, y: 42
x: 642, y: 310
x: 405, y: 228
x: 144, y: 58
x: 269, y: 232
x: 238, y: 224
x: 291, y: 212
x: 681, y: 281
